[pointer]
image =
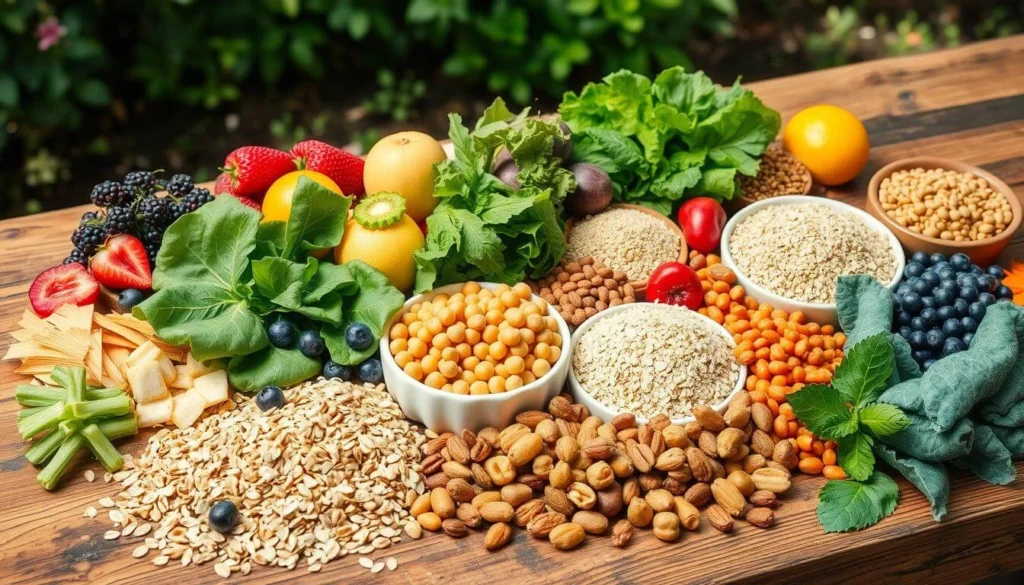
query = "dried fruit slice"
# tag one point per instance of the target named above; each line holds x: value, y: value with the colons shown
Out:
x: 61, y: 285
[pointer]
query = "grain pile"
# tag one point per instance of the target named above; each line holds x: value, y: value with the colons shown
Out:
x: 654, y: 359
x: 798, y: 251
x: 331, y: 473
x: 780, y: 173
x: 624, y: 239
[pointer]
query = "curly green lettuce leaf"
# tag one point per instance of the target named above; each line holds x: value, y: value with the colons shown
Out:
x: 373, y: 305
x: 271, y: 366
x: 854, y: 505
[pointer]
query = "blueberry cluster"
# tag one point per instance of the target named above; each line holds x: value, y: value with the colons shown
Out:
x: 132, y: 206
x: 282, y: 333
x: 941, y: 301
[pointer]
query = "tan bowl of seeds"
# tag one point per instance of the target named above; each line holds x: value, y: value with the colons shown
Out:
x: 981, y: 187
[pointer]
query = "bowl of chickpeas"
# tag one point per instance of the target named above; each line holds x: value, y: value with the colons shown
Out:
x: 473, y: 355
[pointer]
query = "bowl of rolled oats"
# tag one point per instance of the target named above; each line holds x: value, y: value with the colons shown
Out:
x: 790, y: 251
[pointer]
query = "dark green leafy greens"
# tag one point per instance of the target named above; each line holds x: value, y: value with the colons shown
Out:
x: 221, y: 275
x: 677, y: 137
x: 483, y: 229
x: 847, y: 412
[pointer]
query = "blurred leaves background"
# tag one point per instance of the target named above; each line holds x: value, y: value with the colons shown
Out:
x: 93, y: 88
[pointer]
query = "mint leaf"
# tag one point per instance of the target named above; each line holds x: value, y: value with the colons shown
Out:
x: 855, y: 455
x: 851, y: 505
x: 372, y: 306
x: 883, y: 419
x: 823, y: 410
x: 205, y: 316
x: 208, y: 246
x: 317, y: 218
x: 271, y: 366
x: 282, y: 281
x: 863, y: 373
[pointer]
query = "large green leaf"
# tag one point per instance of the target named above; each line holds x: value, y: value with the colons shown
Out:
x: 853, y: 505
x: 861, y: 376
x: 855, y: 455
x: 317, y: 218
x: 271, y: 366
x: 283, y: 281
x: 823, y: 410
x: 372, y: 306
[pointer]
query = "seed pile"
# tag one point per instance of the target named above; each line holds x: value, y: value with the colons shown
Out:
x: 655, y: 358
x: 624, y: 239
x: 563, y: 475
x: 799, y: 251
x: 944, y: 204
x: 780, y: 173
x: 583, y: 289
x: 329, y: 474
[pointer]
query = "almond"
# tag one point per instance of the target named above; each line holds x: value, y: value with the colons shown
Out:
x: 497, y: 512
x: 543, y: 523
x: 624, y: 421
x: 469, y: 514
x: 622, y: 533
x: 560, y: 407
x: 708, y: 443
x: 558, y: 501
x: 528, y: 511
x: 437, y: 480
x: 708, y: 419
x: 762, y: 444
x: 457, y: 449
x: 532, y: 481
x: 481, y: 451
x: 698, y: 494
x: 719, y: 518
x: 531, y: 418
x: 772, y: 480
x: 675, y: 436
x: 671, y: 459
x: 497, y: 536
x: 454, y: 528
x: 762, y: 416
x: 640, y: 455
x: 764, y: 499
x: 644, y: 433
x: 592, y: 522
x: 657, y: 443
x: 525, y: 449
x: 454, y: 469
x: 435, y: 445
x: 761, y: 517
x: 516, y: 494
x: 459, y: 490
x: 700, y: 465
x: 599, y: 448
x: 785, y: 455
x: 566, y: 449
x: 480, y: 477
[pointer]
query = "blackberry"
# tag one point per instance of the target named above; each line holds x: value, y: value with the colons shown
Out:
x: 154, y: 211
x: 179, y: 185
x: 175, y: 209
x: 197, y: 198
x: 152, y: 248
x: 89, y: 237
x: 140, y: 183
x: 78, y: 256
x: 153, y: 235
x: 107, y: 193
x: 87, y: 217
x: 120, y: 220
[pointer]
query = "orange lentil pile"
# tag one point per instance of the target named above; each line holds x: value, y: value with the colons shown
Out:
x: 782, y: 353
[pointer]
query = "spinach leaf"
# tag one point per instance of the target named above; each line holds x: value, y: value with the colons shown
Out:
x: 271, y: 366
x: 317, y: 218
x: 282, y: 281
x: 327, y: 279
x: 373, y: 306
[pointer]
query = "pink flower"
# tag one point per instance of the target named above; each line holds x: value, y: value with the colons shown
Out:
x: 50, y: 32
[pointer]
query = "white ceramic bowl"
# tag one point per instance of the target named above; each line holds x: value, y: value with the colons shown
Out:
x: 821, y: 313
x: 607, y: 412
x: 445, y: 411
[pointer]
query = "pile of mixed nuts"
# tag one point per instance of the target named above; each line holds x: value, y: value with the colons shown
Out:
x: 563, y: 474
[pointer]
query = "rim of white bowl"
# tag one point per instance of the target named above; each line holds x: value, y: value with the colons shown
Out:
x: 385, y: 349
x: 741, y: 374
x: 760, y: 292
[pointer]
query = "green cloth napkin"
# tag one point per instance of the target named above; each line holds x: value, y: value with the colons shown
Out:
x: 967, y: 409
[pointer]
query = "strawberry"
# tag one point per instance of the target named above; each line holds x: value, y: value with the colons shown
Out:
x: 122, y: 263
x: 62, y: 285
x: 246, y: 201
x: 344, y: 168
x: 223, y: 185
x: 254, y: 168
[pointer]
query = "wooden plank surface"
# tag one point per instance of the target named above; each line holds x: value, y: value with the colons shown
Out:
x: 966, y: 103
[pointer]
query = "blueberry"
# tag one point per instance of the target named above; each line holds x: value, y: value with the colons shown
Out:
x: 967, y: 339
x: 922, y: 355
x: 918, y: 340
x: 358, y: 336
x: 987, y: 283
x: 961, y: 307
x: 370, y: 371
x: 975, y: 269
x: 977, y: 311
x: 919, y: 324
x: 946, y: 312
x: 940, y: 266
x: 921, y: 258
x: 281, y: 334
x: 937, y: 258
x: 951, y: 346
x: 953, y: 328
x: 928, y: 364
x: 911, y: 303
x: 311, y: 344
x: 960, y: 262
x: 903, y: 318
x: 969, y: 324
x: 333, y: 369
x: 913, y: 269
x: 270, y: 397
x: 944, y: 296
x: 905, y: 332
x: 1004, y: 292
x: 986, y: 298
x: 902, y: 289
x: 128, y: 298
x: 935, y: 339
x: 995, y: 271
x: 929, y: 302
x: 969, y: 293
x: 920, y: 287
x: 223, y: 516
x: 946, y: 273
x: 966, y: 280
x: 930, y: 316
x: 931, y: 278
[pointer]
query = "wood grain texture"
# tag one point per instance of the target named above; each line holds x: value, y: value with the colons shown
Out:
x: 966, y: 103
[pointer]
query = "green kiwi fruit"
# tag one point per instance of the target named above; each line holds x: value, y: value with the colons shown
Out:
x: 379, y: 210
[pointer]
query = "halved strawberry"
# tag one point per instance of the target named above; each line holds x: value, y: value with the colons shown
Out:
x: 62, y: 285
x: 254, y: 168
x: 122, y: 263
x: 344, y: 168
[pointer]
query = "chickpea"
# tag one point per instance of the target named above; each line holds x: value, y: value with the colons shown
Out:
x: 417, y: 347
x: 542, y: 350
x: 398, y: 345
x: 531, y: 308
x: 510, y: 299
x: 456, y: 332
x: 528, y: 377
x: 523, y: 291
x: 448, y: 369
x: 555, y: 353
x: 498, y: 350
x: 496, y: 385
x: 414, y: 370
x: 429, y: 364
x: 473, y: 337
x: 510, y: 336
x: 528, y: 336
x: 468, y: 376
x: 399, y: 331
x: 424, y: 335
x: 481, y: 351
x: 441, y: 341
x: 460, y: 387
x: 513, y: 382
x: 501, y: 370
x: 464, y: 350
x: 515, y: 317
x: 402, y: 358
x: 483, y: 371
x: 535, y: 322
x: 435, y: 380
x: 477, y: 322
x: 521, y: 350
x: 515, y: 364
x: 473, y: 310
x: 479, y: 388
x: 470, y: 288
x: 540, y: 367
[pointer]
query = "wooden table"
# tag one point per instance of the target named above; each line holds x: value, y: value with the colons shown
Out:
x: 966, y: 103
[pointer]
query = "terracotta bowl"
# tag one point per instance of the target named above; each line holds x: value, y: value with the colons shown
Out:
x: 639, y: 286
x: 983, y: 252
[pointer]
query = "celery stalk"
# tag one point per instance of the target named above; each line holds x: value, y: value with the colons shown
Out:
x: 27, y: 412
x: 65, y: 454
x: 43, y: 420
x: 102, y: 448
x: 60, y: 375
x: 75, y: 385
x: 42, y: 449
x: 70, y: 427
x: 30, y: 395
x: 115, y: 406
x: 122, y: 426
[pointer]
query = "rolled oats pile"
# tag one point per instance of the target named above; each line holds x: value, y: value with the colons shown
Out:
x: 799, y: 251
x: 331, y: 473
x: 623, y: 239
x: 654, y: 358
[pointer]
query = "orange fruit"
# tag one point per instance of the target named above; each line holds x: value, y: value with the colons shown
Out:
x: 404, y: 163
x: 277, y: 204
x: 831, y: 141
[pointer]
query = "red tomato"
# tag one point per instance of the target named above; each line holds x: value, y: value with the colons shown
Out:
x: 675, y: 283
x: 702, y: 220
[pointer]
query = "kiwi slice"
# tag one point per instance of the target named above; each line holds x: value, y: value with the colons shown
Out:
x: 379, y: 210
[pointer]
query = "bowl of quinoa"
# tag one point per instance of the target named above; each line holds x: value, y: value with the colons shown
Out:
x: 790, y: 251
x: 652, y: 358
x: 625, y: 237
